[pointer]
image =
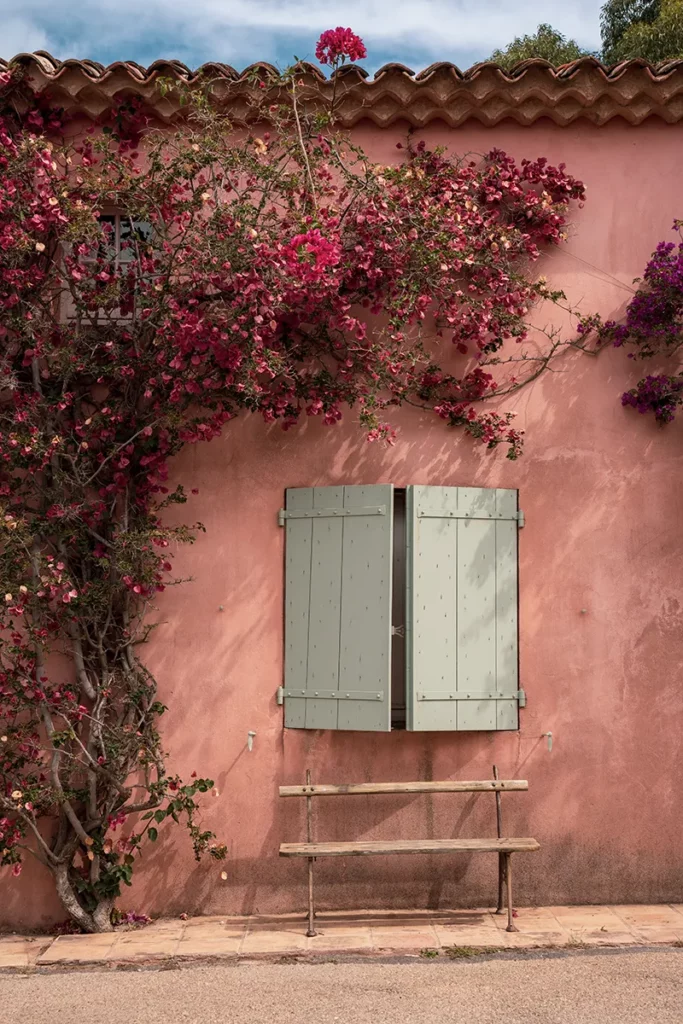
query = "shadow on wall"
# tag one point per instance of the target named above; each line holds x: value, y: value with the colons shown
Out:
x: 584, y: 466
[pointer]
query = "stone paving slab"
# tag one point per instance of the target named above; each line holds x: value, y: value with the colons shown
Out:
x: 363, y: 932
x: 20, y: 952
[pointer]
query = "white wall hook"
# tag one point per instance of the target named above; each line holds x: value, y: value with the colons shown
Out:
x: 250, y: 739
x: 549, y: 736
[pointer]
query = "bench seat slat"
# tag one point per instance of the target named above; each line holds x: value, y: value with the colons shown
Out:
x: 408, y: 846
x: 369, y: 788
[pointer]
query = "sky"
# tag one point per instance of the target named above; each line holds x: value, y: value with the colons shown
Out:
x: 240, y: 32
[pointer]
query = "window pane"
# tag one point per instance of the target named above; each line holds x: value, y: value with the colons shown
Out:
x: 108, y: 247
x: 132, y: 233
x: 135, y: 230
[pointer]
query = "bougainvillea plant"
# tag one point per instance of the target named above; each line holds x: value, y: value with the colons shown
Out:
x: 154, y: 285
x: 652, y: 327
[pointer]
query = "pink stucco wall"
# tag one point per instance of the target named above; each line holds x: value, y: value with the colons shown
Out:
x: 601, y: 594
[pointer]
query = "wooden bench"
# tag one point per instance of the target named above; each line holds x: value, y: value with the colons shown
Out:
x: 501, y: 845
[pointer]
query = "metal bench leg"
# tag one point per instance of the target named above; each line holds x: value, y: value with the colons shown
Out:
x: 309, y: 832
x: 311, y: 914
x: 501, y: 856
x: 508, y: 878
x: 501, y: 883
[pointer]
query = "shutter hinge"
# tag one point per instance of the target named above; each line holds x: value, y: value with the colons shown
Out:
x: 521, y: 521
x: 280, y: 695
x: 521, y: 697
x: 330, y: 513
x: 398, y: 631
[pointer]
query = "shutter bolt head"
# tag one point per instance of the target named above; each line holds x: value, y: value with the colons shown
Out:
x: 220, y: 607
x: 584, y: 611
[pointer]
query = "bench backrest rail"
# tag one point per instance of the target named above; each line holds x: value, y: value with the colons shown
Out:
x: 370, y: 788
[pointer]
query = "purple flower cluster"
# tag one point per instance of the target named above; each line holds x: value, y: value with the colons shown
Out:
x: 654, y: 317
x: 653, y: 325
x: 610, y: 329
x: 655, y: 314
x: 659, y: 394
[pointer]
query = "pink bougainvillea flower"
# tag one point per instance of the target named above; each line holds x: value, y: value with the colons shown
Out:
x: 339, y: 43
x: 319, y: 300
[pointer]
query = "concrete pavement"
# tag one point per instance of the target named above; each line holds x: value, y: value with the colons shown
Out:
x: 365, y: 932
x: 614, y: 987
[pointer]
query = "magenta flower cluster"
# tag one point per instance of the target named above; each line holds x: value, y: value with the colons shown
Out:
x: 338, y: 44
x: 659, y: 394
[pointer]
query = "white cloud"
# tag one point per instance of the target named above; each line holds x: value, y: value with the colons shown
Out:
x: 240, y: 31
x: 436, y: 24
x: 22, y: 35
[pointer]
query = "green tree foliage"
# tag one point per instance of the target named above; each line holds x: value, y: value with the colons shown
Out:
x: 651, y: 29
x: 546, y: 43
x: 617, y: 17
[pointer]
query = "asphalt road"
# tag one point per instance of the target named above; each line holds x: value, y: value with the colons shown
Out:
x: 624, y: 988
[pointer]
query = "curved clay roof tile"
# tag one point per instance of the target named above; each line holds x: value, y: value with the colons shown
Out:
x: 633, y: 90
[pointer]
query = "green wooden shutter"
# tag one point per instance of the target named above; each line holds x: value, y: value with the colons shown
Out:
x: 462, y: 649
x: 338, y: 607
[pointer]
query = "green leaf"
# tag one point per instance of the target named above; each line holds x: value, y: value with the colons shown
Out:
x: 159, y: 815
x: 152, y: 833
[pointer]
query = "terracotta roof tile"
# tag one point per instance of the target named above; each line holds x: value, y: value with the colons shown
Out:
x: 633, y: 90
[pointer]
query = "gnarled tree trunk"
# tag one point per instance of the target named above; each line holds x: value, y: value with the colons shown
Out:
x: 98, y: 921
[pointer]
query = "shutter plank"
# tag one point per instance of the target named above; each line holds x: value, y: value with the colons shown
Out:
x: 507, y: 602
x: 365, y: 628
x: 325, y: 606
x: 476, y: 610
x: 435, y: 602
x: 298, y: 549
